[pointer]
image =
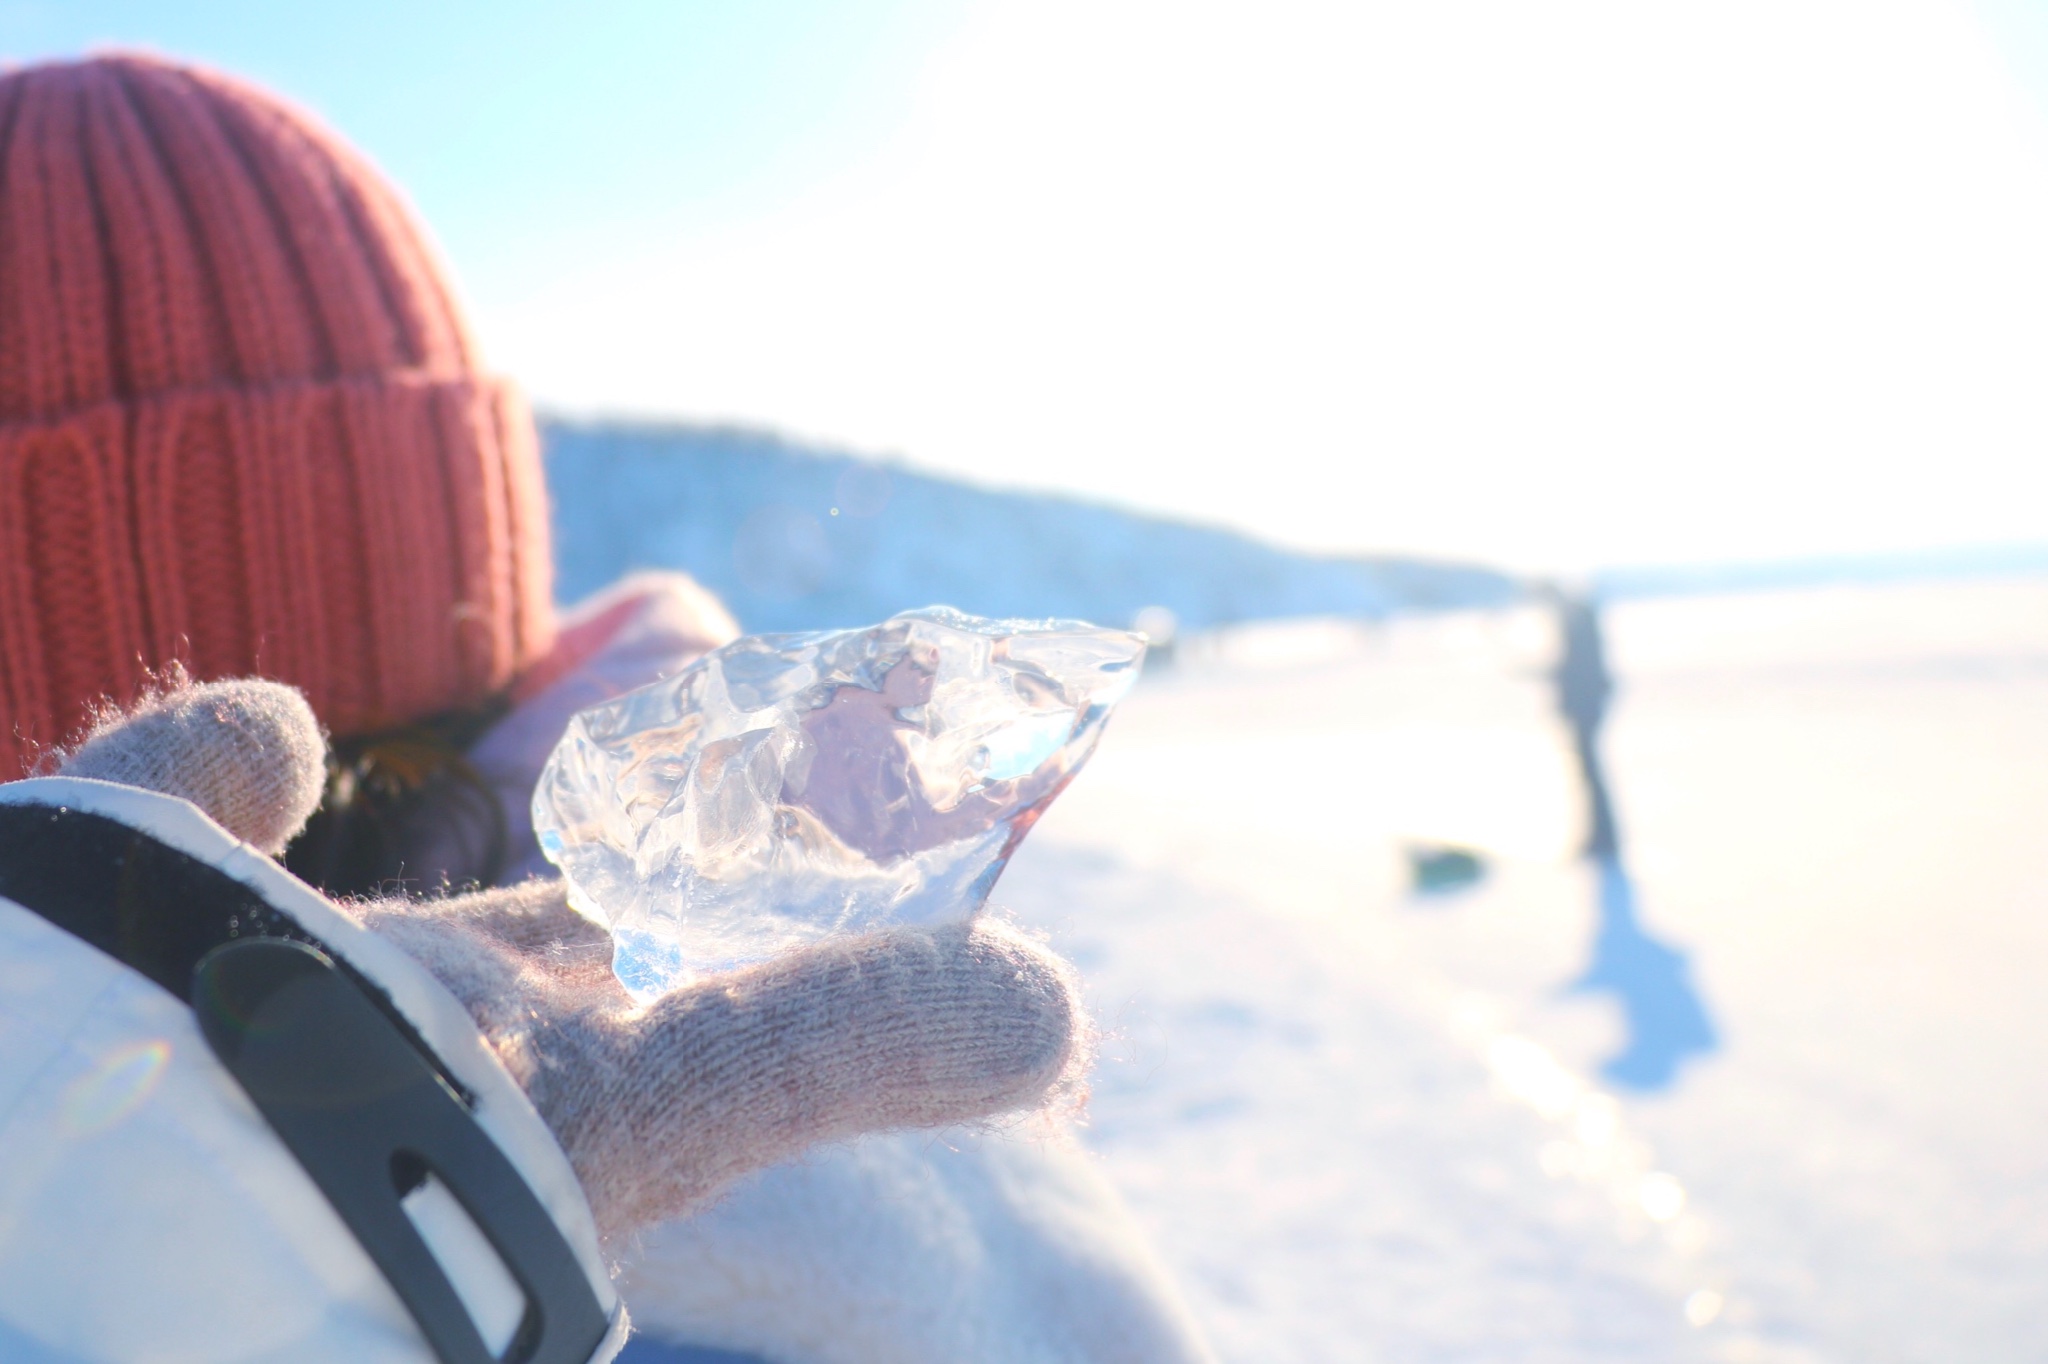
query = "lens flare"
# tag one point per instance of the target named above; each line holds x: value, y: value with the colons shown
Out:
x: 116, y: 1087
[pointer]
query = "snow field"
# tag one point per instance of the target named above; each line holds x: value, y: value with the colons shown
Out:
x: 1366, y: 1125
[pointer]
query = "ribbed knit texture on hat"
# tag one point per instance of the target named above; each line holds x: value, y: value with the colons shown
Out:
x: 242, y: 426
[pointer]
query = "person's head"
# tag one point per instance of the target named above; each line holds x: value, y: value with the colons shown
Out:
x: 243, y: 427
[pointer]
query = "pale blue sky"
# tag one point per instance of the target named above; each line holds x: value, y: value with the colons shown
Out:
x: 522, y: 129
x: 1591, y: 281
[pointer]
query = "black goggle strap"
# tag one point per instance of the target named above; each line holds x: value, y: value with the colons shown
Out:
x: 343, y: 1080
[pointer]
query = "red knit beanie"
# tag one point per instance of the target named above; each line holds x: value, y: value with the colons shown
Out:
x: 242, y: 423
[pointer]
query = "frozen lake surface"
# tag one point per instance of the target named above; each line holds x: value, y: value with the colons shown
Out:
x: 1365, y: 1123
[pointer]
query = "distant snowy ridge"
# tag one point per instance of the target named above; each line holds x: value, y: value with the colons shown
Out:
x: 795, y: 538
x: 1765, y: 575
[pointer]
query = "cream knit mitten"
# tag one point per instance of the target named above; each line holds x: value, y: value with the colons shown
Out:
x: 658, y: 1107
x: 250, y: 754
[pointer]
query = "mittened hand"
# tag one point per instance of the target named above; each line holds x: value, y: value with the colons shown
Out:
x: 248, y: 753
x: 658, y: 1107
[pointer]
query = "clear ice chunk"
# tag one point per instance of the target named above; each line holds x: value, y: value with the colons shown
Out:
x: 789, y: 787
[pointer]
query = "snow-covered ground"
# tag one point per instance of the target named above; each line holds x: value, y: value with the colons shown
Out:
x: 1364, y: 1124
